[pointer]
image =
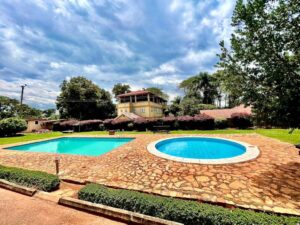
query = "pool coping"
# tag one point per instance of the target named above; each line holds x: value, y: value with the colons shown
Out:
x: 252, y: 152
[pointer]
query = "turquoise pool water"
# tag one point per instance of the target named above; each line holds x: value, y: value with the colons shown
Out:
x: 200, y: 148
x: 75, y: 146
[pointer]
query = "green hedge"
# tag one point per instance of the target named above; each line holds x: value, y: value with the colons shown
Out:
x: 11, y: 126
x: 40, y: 180
x: 184, y: 211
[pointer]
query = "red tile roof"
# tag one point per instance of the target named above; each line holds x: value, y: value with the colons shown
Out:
x: 226, y: 113
x: 139, y: 92
x: 131, y: 116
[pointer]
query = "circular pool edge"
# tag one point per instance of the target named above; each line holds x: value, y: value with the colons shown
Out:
x: 252, y: 152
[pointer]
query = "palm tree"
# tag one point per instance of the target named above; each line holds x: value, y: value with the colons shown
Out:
x: 201, y: 86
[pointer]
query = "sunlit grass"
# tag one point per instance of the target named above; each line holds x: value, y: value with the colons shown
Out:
x: 280, y: 134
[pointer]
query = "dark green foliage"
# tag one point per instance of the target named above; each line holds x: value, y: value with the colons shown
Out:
x: 158, y: 91
x: 204, y: 122
x: 11, y: 108
x: 221, y: 123
x: 184, y: 211
x: 262, y: 65
x: 192, y: 106
x: 11, y: 126
x: 241, y: 120
x: 174, y: 108
x: 40, y: 180
x: 82, y: 99
x: 120, y: 89
x: 202, y: 87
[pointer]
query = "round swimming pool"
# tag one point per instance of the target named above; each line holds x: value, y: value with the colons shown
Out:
x: 204, y: 150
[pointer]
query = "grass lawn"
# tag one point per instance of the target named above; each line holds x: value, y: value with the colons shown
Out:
x: 280, y: 134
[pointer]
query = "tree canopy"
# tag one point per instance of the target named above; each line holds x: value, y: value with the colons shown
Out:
x: 158, y: 92
x: 201, y: 87
x: 82, y: 99
x: 10, y: 107
x: 262, y: 65
x: 120, y: 89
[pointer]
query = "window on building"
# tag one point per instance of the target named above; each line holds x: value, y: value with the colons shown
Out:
x: 36, y: 122
x: 142, y: 110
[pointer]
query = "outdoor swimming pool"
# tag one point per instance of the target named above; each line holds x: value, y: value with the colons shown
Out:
x: 204, y: 150
x: 87, y: 146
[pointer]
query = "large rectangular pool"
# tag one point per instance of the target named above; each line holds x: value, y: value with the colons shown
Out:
x: 74, y: 145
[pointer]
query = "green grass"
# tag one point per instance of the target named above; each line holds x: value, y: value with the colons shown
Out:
x: 280, y: 134
x: 28, y: 137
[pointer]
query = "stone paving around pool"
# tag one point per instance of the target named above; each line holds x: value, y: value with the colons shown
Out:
x: 271, y: 182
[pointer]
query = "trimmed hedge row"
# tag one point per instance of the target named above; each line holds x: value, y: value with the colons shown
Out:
x: 241, y: 120
x: 184, y: 211
x: 199, y: 122
x: 37, y: 179
x: 76, y: 125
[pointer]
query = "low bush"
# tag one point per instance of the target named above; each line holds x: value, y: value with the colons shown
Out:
x: 37, y: 179
x: 221, y: 123
x: 184, y: 211
x: 241, y: 120
x: 107, y: 123
x: 186, y: 122
x: 120, y: 124
x: 170, y: 121
x: 206, y: 107
x: 11, y: 126
x: 65, y: 125
x: 78, y: 126
x: 87, y: 125
x: 204, y: 122
x: 140, y: 124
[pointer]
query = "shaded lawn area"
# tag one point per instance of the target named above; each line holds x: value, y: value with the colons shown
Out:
x: 280, y: 134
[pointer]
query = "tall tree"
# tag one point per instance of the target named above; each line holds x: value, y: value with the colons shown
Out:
x: 12, y: 108
x: 174, y: 107
x: 120, y: 89
x: 82, y: 99
x: 158, y: 92
x: 201, y: 87
x: 263, y: 62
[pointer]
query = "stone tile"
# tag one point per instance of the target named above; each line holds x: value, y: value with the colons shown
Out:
x: 270, y: 182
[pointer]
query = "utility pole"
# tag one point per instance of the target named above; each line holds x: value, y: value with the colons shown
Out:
x: 22, y: 92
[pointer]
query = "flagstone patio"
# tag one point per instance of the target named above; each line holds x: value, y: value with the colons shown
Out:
x: 271, y: 182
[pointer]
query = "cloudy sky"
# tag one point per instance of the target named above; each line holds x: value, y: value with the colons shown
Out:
x: 139, y: 42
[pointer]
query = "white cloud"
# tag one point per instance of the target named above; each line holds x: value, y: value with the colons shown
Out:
x: 142, y: 43
x: 36, y: 91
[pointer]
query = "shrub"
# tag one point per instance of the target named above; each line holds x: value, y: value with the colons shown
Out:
x: 11, y: 126
x: 241, y: 120
x: 221, y: 123
x: 40, y: 180
x: 87, y: 125
x: 204, y: 122
x: 108, y: 124
x: 184, y: 211
x: 170, y: 121
x: 206, y: 106
x: 120, y: 124
x: 186, y: 122
x: 65, y: 125
x: 140, y: 124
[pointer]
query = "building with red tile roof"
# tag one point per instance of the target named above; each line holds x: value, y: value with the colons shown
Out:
x: 226, y: 113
